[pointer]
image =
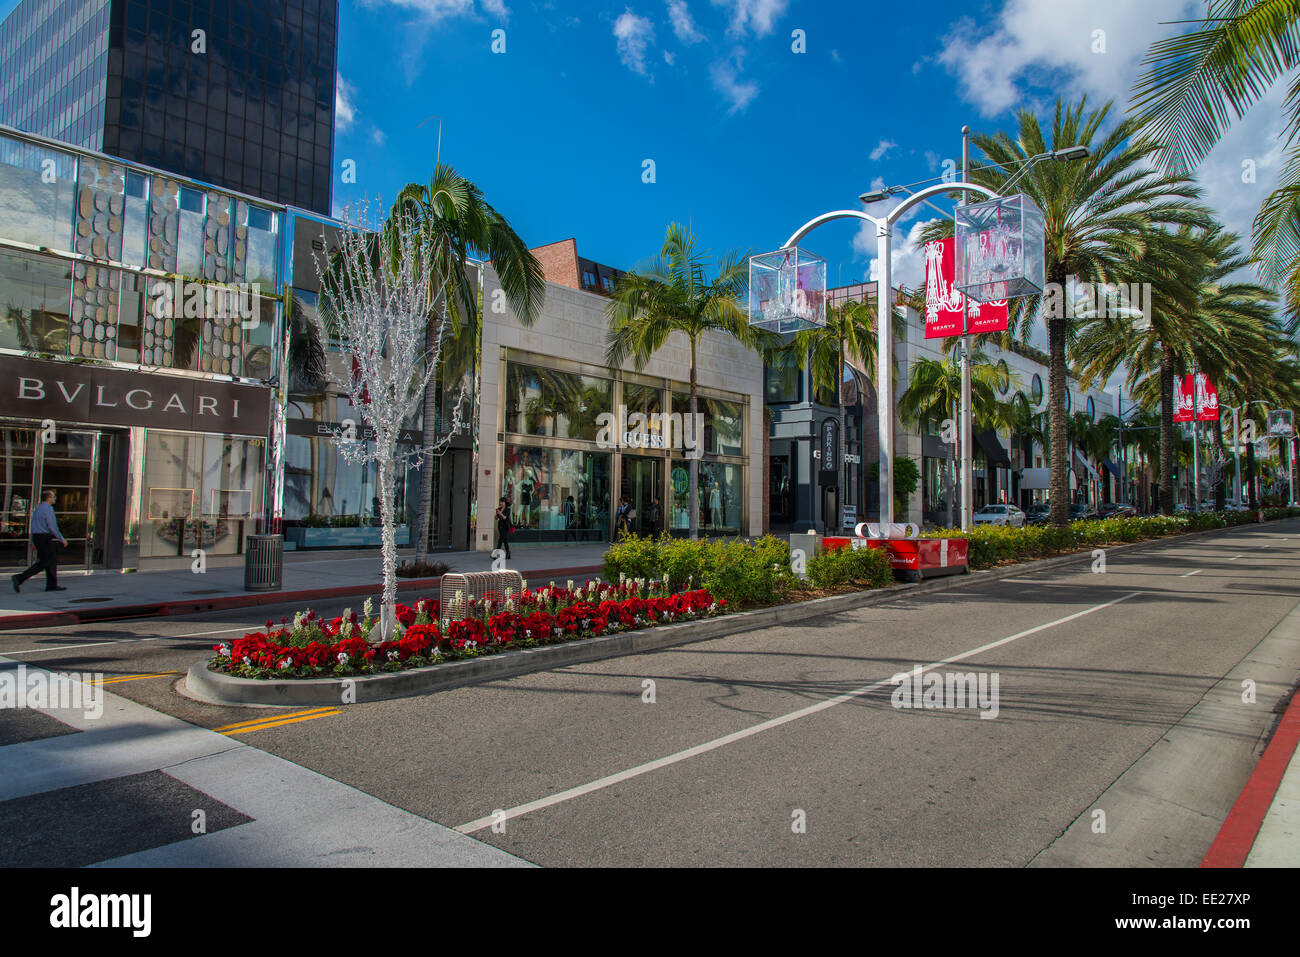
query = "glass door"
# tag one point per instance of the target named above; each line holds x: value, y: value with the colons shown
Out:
x: 67, y: 467
x: 17, y: 470
x: 642, y: 484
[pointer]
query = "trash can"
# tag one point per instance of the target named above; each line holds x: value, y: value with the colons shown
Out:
x: 264, y: 563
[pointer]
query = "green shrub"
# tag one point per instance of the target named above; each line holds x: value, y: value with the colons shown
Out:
x: 742, y: 572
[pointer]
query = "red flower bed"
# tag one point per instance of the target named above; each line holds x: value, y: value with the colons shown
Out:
x: 312, y: 647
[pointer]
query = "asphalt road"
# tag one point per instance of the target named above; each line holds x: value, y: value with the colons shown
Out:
x: 781, y: 746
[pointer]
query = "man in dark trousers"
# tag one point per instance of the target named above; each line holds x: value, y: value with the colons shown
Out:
x: 656, y: 517
x: 45, y: 531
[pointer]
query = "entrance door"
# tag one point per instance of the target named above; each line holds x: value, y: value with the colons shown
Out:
x: 642, y: 483
x: 67, y: 466
x: 17, y: 471
x: 778, y: 493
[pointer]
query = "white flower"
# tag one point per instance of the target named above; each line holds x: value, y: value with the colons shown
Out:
x: 471, y: 644
x: 247, y: 660
x: 366, y: 608
x: 509, y: 592
x: 284, y: 664
x: 297, y: 620
x: 523, y: 583
x: 343, y: 657
x: 224, y: 651
x: 570, y: 584
x: 392, y: 655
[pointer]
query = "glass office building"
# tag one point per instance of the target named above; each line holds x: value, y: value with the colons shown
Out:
x: 231, y: 92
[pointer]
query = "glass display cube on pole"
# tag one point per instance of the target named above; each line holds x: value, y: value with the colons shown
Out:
x: 999, y: 249
x: 787, y: 290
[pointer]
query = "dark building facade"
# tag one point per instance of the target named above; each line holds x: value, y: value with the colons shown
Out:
x: 231, y: 92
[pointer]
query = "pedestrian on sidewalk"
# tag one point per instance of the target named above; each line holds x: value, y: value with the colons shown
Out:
x: 45, y: 531
x: 656, y: 517
x: 504, y: 528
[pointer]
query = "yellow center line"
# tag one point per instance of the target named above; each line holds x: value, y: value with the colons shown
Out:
x: 161, y: 674
x: 276, y: 724
x: 273, y: 717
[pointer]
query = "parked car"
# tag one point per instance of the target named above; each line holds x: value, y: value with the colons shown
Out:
x: 1080, y: 512
x: 1008, y: 515
x: 1116, y: 510
x: 1038, y: 513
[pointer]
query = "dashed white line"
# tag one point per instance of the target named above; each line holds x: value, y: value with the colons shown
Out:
x: 128, y: 641
x: 1190, y: 574
x: 599, y: 784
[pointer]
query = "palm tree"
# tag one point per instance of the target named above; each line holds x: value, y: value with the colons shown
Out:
x: 934, y: 391
x: 672, y: 293
x: 1094, y: 212
x: 847, y: 338
x: 459, y: 223
x: 1198, y: 319
x: 1200, y: 79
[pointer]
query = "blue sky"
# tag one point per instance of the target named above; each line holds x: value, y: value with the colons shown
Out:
x: 749, y: 138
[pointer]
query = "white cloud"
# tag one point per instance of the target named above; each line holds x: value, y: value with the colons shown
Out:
x: 757, y: 16
x: 726, y: 80
x: 932, y: 160
x: 669, y: 57
x: 883, y: 147
x: 906, y: 254
x: 1053, y: 44
x: 344, y: 107
x: 683, y: 25
x: 377, y: 136
x: 635, y: 35
x: 436, y: 10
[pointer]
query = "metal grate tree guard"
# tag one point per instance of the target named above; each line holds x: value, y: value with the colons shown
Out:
x: 458, y: 591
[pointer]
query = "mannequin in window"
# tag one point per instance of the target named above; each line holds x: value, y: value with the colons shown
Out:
x: 715, y: 505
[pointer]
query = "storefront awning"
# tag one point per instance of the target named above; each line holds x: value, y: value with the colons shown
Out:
x: 1032, y: 479
x: 993, y: 450
x: 1113, y: 469
x: 1086, y: 468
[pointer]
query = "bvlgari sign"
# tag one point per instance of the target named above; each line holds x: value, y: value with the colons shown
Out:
x: 98, y: 395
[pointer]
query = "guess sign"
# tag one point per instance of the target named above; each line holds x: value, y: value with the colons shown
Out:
x: 97, y: 395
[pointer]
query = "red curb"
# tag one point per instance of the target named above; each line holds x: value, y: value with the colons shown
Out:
x: 46, y: 619
x: 1232, y: 845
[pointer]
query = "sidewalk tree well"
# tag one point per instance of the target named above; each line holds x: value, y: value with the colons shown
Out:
x: 374, y: 306
x: 672, y: 293
x: 456, y: 223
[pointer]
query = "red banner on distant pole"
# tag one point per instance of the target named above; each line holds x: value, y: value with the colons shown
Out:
x: 1207, y: 399
x: 1195, y: 399
x: 944, y: 302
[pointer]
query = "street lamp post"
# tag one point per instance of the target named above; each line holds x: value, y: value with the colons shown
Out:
x: 884, y: 315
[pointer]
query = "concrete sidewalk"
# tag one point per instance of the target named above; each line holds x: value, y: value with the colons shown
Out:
x: 307, y: 576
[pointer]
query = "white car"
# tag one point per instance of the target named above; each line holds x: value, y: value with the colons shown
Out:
x: 1008, y: 515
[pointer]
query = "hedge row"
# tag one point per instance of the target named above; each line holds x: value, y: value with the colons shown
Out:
x: 758, y: 572
x: 993, y: 544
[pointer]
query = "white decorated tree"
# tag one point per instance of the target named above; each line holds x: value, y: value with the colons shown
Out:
x: 376, y: 306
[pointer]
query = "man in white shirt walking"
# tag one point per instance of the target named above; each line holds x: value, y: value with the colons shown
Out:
x: 45, y: 531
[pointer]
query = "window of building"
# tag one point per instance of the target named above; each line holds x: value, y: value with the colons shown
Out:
x: 558, y: 404
x: 781, y: 379
x: 557, y: 494
x: 34, y: 301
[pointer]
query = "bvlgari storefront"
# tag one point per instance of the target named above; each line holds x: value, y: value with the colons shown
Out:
x: 146, y: 467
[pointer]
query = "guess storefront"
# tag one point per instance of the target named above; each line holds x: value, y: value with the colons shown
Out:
x: 145, y: 467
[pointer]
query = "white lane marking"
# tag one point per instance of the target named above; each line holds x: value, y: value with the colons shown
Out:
x: 1190, y: 574
x: 1234, y: 558
x: 723, y: 741
x: 127, y: 641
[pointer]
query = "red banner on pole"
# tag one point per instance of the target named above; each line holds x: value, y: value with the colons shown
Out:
x: 1195, y: 399
x: 1207, y: 399
x: 944, y: 302
x: 1183, y: 399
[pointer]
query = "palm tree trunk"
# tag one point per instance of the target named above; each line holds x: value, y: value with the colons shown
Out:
x: 693, y: 495
x: 1056, y: 385
x: 431, y: 394
x: 1167, y: 432
x: 844, y: 445
x: 1250, y: 473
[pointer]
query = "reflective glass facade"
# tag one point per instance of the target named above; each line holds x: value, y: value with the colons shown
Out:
x: 54, y: 69
x: 231, y: 92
